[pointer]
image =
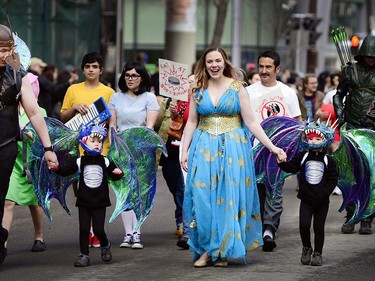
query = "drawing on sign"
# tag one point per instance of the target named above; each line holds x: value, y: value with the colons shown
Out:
x: 269, y: 104
x: 273, y: 108
x: 173, y: 80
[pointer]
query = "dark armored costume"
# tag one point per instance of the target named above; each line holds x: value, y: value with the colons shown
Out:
x: 357, y: 87
x: 352, y: 101
x: 10, y: 86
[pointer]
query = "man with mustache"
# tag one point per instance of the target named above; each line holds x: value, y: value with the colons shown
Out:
x: 268, y: 68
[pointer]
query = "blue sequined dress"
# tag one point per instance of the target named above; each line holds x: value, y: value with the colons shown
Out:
x: 221, y: 201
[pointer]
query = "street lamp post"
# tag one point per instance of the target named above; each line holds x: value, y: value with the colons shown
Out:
x: 300, y: 42
x: 304, y: 26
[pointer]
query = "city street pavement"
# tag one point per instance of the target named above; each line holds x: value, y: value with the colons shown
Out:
x: 346, y: 257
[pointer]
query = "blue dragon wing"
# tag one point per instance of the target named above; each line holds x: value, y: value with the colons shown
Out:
x: 286, y: 133
x: 121, y: 156
x: 47, y: 184
x: 355, y: 159
x: 143, y: 143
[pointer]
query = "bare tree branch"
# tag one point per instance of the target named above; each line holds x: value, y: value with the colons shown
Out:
x: 222, y: 7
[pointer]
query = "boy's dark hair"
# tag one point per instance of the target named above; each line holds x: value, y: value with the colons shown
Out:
x: 141, y: 70
x: 272, y: 55
x: 91, y: 58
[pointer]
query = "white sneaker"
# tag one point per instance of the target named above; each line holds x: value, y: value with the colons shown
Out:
x: 337, y: 191
x: 137, y: 241
x: 128, y: 241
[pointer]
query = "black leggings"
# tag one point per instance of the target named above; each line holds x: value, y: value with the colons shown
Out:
x: 8, y: 157
x: 97, y: 216
x: 306, y: 212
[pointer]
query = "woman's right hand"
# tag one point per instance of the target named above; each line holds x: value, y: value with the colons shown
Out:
x: 280, y: 154
x: 183, y: 162
x: 173, y: 109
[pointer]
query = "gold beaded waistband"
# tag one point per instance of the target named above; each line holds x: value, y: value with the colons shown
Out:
x: 219, y: 124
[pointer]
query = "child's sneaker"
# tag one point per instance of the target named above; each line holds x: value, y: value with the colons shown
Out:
x: 137, y: 241
x: 95, y: 242
x: 127, y: 242
x: 83, y: 260
x: 316, y: 259
x: 106, y: 252
x: 306, y: 255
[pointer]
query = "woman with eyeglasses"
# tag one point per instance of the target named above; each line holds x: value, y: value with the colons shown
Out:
x: 133, y: 106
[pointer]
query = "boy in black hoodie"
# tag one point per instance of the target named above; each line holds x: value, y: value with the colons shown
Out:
x: 318, y: 178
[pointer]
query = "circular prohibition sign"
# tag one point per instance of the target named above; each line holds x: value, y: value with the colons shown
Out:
x: 273, y: 108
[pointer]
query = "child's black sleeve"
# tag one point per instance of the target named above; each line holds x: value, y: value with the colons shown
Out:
x: 331, y: 176
x: 110, y: 169
x: 294, y: 165
x: 69, y: 168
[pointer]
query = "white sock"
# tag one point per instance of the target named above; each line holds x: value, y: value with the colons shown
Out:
x: 268, y: 232
x: 91, y: 231
x: 127, y: 220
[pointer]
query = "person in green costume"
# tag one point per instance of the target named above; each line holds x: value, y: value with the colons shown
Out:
x: 352, y: 101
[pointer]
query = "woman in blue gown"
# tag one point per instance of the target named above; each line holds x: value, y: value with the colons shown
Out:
x: 221, y: 200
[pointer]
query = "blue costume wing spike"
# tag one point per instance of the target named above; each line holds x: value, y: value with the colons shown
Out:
x: 285, y: 133
x: 143, y: 143
x: 354, y: 160
x: 121, y: 156
x: 47, y: 184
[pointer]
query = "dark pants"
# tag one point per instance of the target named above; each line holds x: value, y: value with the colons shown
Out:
x: 271, y: 209
x: 97, y: 216
x: 262, y: 200
x: 175, y: 181
x: 306, y: 212
x: 8, y: 157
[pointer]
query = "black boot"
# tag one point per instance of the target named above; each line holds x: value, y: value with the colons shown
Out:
x: 366, y: 226
x: 348, y: 228
x: 3, y: 250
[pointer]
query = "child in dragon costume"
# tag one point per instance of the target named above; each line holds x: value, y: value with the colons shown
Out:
x: 318, y: 178
x: 354, y: 160
x: 133, y: 151
x: 93, y: 192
